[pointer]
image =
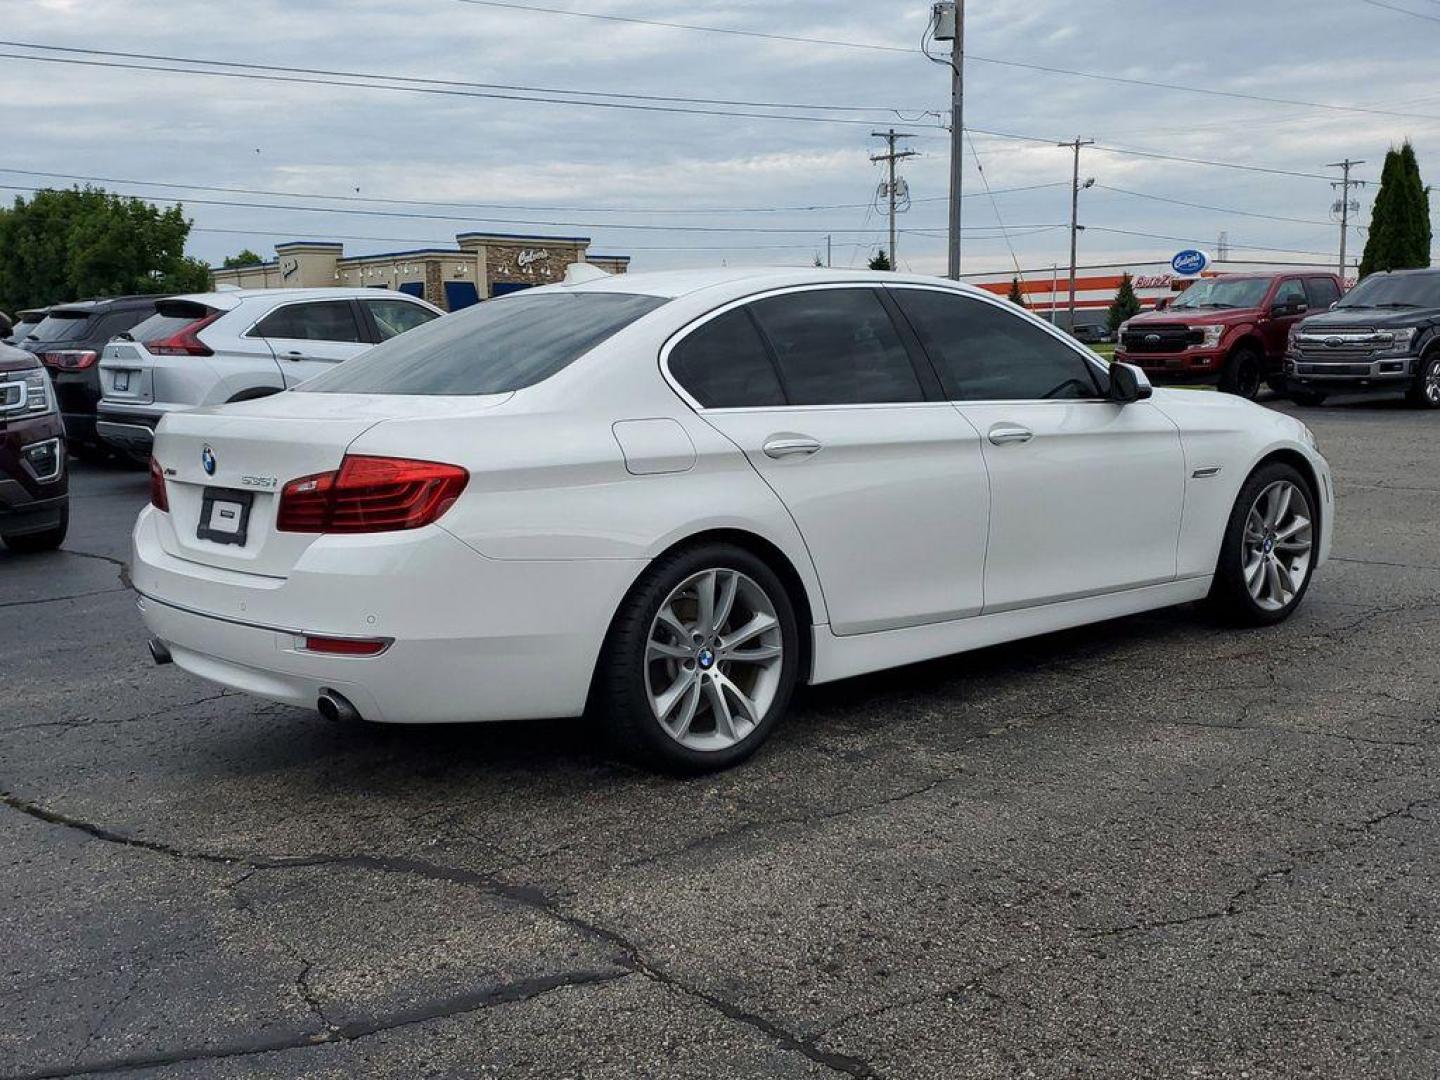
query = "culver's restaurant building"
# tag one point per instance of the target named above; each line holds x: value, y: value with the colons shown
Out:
x: 480, y: 266
x: 1047, y: 289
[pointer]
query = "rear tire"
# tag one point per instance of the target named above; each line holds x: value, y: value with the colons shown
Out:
x: 1425, y: 391
x: 700, y: 662
x: 1241, y: 375
x: 1268, y: 552
x: 49, y: 540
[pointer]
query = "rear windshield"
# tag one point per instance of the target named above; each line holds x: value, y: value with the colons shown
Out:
x: 491, y: 348
x: 22, y: 328
x: 1394, y: 291
x: 63, y: 326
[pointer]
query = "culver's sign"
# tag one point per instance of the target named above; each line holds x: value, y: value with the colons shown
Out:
x: 1190, y: 262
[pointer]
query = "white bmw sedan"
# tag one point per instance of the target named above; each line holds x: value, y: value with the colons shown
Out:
x: 665, y: 499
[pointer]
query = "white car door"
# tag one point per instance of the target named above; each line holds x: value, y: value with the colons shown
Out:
x: 1086, y: 493
x: 311, y: 336
x: 885, y: 481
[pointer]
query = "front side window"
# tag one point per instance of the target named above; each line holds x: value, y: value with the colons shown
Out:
x: 837, y: 347
x: 724, y: 365
x: 984, y: 353
x: 396, y: 316
x: 490, y: 348
x: 330, y: 320
x: 1290, y: 293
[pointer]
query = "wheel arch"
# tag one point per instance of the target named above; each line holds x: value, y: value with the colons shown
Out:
x: 1248, y: 339
x: 1306, y: 468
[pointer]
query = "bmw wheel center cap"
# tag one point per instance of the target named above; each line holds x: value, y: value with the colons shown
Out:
x: 706, y: 659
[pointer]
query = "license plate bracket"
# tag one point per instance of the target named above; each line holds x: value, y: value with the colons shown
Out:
x: 225, y: 515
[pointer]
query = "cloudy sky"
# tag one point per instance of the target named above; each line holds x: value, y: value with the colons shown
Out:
x: 692, y: 189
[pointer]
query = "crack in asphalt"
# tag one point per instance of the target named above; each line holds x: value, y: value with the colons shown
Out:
x: 530, y: 897
x: 59, y: 599
x: 96, y: 721
x: 444, y: 1008
x: 120, y: 565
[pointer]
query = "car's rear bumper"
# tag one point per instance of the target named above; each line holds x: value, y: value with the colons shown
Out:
x: 130, y: 427
x: 472, y: 638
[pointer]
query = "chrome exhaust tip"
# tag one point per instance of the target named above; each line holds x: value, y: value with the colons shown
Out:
x: 336, y: 707
x: 159, y: 651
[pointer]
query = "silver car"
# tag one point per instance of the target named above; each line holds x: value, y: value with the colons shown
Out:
x: 237, y: 344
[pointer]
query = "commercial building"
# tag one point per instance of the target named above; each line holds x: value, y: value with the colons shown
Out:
x: 1047, y: 290
x: 480, y: 266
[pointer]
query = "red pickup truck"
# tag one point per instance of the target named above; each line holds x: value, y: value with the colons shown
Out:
x: 1229, y: 330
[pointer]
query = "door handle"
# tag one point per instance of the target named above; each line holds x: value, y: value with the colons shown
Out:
x: 1001, y: 434
x: 791, y: 446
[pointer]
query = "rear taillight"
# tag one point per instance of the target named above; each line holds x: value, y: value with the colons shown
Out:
x: 370, y: 494
x: 346, y: 646
x: 69, y: 359
x: 158, y: 498
x: 184, y: 342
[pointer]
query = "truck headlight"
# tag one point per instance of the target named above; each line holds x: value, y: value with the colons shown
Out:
x: 1400, y: 341
x: 1211, y: 335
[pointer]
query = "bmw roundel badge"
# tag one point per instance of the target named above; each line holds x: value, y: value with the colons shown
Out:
x: 207, y: 459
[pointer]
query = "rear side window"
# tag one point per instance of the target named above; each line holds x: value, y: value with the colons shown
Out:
x: 171, y: 317
x: 724, y: 365
x: 837, y: 347
x: 394, y: 317
x: 985, y: 353
x: 1322, y: 291
x: 329, y: 320
x: 63, y: 326
x: 489, y: 348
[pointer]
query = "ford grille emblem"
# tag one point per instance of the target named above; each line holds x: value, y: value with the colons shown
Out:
x: 207, y: 460
x: 1334, y: 342
x: 1152, y: 338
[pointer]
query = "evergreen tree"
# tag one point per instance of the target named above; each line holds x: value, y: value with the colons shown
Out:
x: 1400, y: 221
x: 1017, y: 295
x: 881, y: 261
x: 1126, y: 304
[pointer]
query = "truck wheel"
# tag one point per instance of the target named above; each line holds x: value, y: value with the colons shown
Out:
x: 49, y: 540
x: 1241, y: 375
x: 1307, y: 397
x: 1425, y: 391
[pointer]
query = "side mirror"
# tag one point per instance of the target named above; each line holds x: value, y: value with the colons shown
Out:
x: 1289, y: 309
x: 1128, y: 383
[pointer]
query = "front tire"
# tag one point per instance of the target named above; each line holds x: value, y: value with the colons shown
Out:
x: 1241, y: 375
x: 1268, y: 552
x: 1425, y: 391
x: 700, y: 661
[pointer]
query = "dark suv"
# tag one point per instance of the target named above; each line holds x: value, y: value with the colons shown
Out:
x: 34, y: 506
x: 1384, y: 335
x: 24, y: 325
x: 69, y: 342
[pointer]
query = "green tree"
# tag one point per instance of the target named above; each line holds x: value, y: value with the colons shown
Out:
x: 70, y: 244
x: 1017, y: 294
x: 1126, y: 304
x: 244, y: 257
x: 881, y: 261
x: 1400, y: 221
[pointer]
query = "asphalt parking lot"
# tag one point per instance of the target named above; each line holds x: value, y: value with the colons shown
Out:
x: 1156, y: 847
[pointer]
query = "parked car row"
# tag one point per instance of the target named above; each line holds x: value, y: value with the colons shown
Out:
x: 121, y: 363
x: 1297, y: 334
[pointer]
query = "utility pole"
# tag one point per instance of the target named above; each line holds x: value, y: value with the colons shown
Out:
x: 1345, y: 184
x: 1075, y: 225
x: 947, y: 23
x: 890, y: 157
x: 827, y: 251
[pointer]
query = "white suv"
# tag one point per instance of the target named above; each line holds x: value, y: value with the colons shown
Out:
x: 218, y: 347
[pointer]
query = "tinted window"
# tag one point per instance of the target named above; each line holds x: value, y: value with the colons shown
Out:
x: 1290, y: 292
x: 1395, y: 291
x: 1322, y: 291
x: 63, y: 326
x: 326, y: 321
x: 837, y: 347
x: 396, y: 316
x: 985, y: 353
x: 489, y: 348
x: 724, y: 365
x: 22, y: 329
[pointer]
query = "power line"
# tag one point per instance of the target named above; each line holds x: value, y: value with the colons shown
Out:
x: 976, y: 58
x: 487, y: 206
x: 1193, y: 240
x: 1203, y: 206
x: 1403, y: 11
x: 258, y: 76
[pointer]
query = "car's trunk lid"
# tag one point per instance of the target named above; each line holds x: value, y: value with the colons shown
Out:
x: 243, y: 455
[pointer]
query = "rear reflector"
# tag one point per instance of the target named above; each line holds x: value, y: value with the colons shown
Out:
x: 347, y: 646
x: 69, y: 359
x: 370, y: 494
x: 184, y: 342
x: 158, y: 498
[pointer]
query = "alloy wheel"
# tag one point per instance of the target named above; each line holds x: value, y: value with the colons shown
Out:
x: 713, y: 659
x: 1431, y: 386
x: 1277, y: 545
